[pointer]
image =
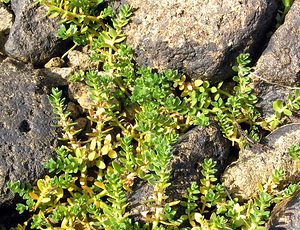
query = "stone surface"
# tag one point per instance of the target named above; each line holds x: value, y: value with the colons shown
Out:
x: 280, y: 61
x: 189, y: 152
x: 6, y: 19
x: 55, y: 62
x: 61, y: 73
x: 33, y: 36
x: 257, y: 164
x: 267, y: 94
x: 278, y: 68
x: 80, y: 60
x: 27, y: 133
x: 286, y: 214
x: 200, y: 38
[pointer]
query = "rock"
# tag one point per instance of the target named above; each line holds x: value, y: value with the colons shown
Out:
x: 6, y: 19
x: 74, y: 110
x: 286, y: 214
x: 267, y: 94
x: 200, y: 38
x: 81, y: 123
x: 278, y: 68
x: 27, y: 131
x: 33, y: 35
x: 80, y: 60
x: 189, y: 152
x: 79, y: 92
x: 280, y: 61
x: 55, y: 62
x: 61, y: 73
x: 257, y: 164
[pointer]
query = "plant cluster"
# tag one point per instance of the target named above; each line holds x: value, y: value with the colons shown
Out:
x: 294, y: 152
x: 229, y: 213
x: 283, y: 110
x: 136, y: 115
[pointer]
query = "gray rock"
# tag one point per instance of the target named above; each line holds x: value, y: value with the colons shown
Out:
x: 6, y: 19
x: 191, y: 149
x: 200, y: 38
x: 278, y: 68
x: 33, y: 35
x: 267, y: 94
x: 189, y: 152
x: 27, y: 133
x: 280, y: 61
x: 257, y: 164
x: 286, y: 214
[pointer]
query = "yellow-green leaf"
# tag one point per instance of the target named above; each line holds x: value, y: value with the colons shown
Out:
x: 41, y: 185
x: 99, y: 184
x: 33, y: 196
x: 78, y: 153
x: 93, y: 144
x: 92, y: 156
x: 198, y: 217
x: 198, y: 83
x: 112, y: 154
x: 45, y: 200
x: 60, y: 193
x: 100, y: 164
x: 105, y: 149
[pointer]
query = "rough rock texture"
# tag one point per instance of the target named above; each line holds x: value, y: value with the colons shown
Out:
x: 286, y: 214
x: 33, y: 36
x: 5, y: 25
x: 189, y: 152
x: 279, y: 65
x: 80, y: 60
x: 26, y: 127
x: 191, y: 149
x: 257, y: 164
x: 280, y: 61
x: 201, y: 38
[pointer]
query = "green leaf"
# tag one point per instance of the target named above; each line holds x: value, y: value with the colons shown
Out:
x: 41, y: 185
x: 277, y: 105
x: 287, y: 112
x: 117, y: 167
x: 213, y: 89
x: 92, y: 156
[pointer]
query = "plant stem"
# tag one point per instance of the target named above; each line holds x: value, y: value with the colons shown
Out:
x: 75, y: 15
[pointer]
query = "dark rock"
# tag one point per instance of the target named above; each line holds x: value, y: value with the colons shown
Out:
x: 191, y: 149
x: 33, y: 35
x: 286, y: 214
x: 267, y: 94
x: 280, y: 61
x: 27, y: 133
x: 257, y: 164
x: 278, y: 68
x: 189, y: 152
x: 200, y: 38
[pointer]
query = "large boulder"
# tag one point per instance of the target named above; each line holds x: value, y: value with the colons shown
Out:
x: 27, y: 131
x: 286, y: 214
x: 200, y: 38
x: 33, y: 35
x: 257, y: 164
x: 278, y: 68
